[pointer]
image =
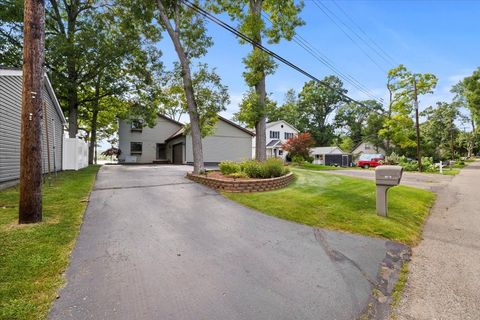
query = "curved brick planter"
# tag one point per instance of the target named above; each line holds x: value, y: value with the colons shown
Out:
x: 251, y: 185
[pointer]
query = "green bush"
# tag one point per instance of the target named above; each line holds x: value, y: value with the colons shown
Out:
x: 298, y: 159
x: 229, y: 167
x: 272, y: 168
x: 238, y: 175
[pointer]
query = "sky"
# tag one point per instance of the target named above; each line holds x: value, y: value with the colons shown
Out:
x: 439, y: 37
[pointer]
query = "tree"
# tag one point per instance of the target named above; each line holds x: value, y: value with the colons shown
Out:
x: 372, y: 130
x: 406, y: 87
x: 299, y: 145
x: 30, y: 201
x: 188, y: 34
x: 284, y: 19
x: 352, y: 118
x: 317, y: 101
x: 288, y: 111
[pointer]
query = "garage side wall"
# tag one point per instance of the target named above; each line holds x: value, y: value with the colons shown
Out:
x: 228, y: 143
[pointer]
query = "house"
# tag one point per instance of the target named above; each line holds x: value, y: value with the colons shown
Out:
x: 277, y: 133
x: 10, y: 127
x: 366, y: 147
x: 168, y: 142
x: 331, y: 156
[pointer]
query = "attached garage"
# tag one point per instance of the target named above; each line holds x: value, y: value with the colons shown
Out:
x: 229, y: 142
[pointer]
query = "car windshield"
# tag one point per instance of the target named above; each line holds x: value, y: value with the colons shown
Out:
x: 369, y: 157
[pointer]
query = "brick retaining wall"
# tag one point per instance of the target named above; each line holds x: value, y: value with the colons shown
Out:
x: 251, y: 185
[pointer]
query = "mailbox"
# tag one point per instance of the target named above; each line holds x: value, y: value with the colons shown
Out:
x: 385, y: 178
x: 388, y: 175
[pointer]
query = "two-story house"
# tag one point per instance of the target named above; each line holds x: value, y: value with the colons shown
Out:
x: 278, y: 132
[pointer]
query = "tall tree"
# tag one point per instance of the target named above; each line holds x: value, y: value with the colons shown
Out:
x: 317, y: 102
x: 30, y: 201
x: 407, y: 87
x: 284, y: 18
x: 288, y: 111
x: 352, y: 118
x: 187, y: 32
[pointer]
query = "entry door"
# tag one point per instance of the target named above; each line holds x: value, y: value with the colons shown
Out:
x: 177, y: 153
x: 344, y: 160
x: 161, y: 151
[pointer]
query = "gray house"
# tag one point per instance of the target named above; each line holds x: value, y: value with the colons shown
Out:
x: 167, y: 142
x: 10, y: 126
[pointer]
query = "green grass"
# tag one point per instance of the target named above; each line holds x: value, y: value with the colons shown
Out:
x: 33, y: 257
x: 321, y: 167
x: 344, y: 203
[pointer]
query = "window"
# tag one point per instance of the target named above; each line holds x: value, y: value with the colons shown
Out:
x: 136, y: 125
x: 274, y: 134
x: 367, y: 146
x: 288, y: 135
x: 319, y: 157
x: 161, y: 151
x: 135, y: 148
x: 280, y: 152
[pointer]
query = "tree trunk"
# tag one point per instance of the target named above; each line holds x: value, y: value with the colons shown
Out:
x: 30, y: 201
x: 389, y: 115
x: 261, y: 91
x: 198, y: 165
x: 93, y: 124
x: 417, y: 126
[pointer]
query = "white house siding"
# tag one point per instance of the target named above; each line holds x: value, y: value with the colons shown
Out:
x: 148, y: 136
x: 10, y: 128
x: 228, y: 143
x: 367, y: 148
x: 282, y: 127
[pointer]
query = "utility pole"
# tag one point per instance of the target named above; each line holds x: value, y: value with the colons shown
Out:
x: 417, y: 122
x: 30, y: 204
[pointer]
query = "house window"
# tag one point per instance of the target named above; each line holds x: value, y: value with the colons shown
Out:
x: 319, y: 157
x: 274, y: 134
x: 136, y: 125
x: 135, y: 148
x: 367, y: 147
x: 288, y: 135
x: 280, y: 152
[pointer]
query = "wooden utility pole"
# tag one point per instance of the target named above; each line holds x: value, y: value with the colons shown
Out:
x: 30, y: 205
x: 417, y: 122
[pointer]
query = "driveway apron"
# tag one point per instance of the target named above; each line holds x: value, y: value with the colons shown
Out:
x: 155, y: 245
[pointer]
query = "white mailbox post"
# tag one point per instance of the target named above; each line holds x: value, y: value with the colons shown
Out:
x: 385, y: 178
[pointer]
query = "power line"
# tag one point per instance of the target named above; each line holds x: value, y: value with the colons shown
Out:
x: 239, y: 34
x: 318, y: 55
x: 330, y: 15
x: 385, y: 54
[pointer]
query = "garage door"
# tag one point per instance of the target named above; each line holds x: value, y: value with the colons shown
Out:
x: 178, y: 153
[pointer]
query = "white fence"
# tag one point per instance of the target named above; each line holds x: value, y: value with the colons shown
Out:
x: 75, y: 154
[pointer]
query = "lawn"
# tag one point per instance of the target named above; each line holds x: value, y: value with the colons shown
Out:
x: 321, y: 167
x: 344, y: 203
x: 33, y: 257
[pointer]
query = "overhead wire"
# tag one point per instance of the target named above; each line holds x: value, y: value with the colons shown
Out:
x: 244, y: 37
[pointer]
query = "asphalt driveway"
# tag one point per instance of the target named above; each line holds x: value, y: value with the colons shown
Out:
x: 154, y: 245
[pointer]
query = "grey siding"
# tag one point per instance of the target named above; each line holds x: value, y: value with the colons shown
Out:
x: 149, y: 137
x: 10, y: 126
x: 228, y: 143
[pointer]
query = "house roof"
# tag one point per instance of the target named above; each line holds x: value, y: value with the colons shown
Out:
x: 273, y: 143
x: 269, y: 124
x: 15, y: 72
x: 169, y: 119
x: 327, y: 150
x: 181, y: 131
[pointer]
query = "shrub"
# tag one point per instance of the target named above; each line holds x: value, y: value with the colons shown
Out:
x: 229, y: 167
x: 299, y: 145
x: 272, y: 168
x: 393, y: 158
x: 252, y: 168
x: 297, y: 159
x: 238, y: 175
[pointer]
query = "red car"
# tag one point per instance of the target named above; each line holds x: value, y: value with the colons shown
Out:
x: 370, y: 160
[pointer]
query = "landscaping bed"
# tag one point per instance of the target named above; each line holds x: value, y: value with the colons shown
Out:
x: 33, y: 257
x: 218, y: 181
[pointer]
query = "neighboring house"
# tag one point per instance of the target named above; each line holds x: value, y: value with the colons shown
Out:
x: 167, y: 142
x: 331, y: 156
x: 277, y: 132
x: 365, y: 147
x: 10, y: 127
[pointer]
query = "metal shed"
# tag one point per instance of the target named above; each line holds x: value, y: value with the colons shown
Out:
x: 10, y: 127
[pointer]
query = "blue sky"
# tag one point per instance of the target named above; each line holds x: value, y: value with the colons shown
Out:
x: 440, y: 37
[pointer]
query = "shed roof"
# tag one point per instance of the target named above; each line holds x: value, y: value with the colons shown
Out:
x: 327, y: 150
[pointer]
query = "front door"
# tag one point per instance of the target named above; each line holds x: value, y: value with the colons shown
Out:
x: 161, y: 151
x: 344, y: 160
x: 177, y: 153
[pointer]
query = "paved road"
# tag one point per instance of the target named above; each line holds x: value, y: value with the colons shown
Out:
x: 444, y: 278
x: 157, y: 246
x: 433, y: 182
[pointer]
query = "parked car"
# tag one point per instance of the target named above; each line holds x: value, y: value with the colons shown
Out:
x: 370, y: 160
